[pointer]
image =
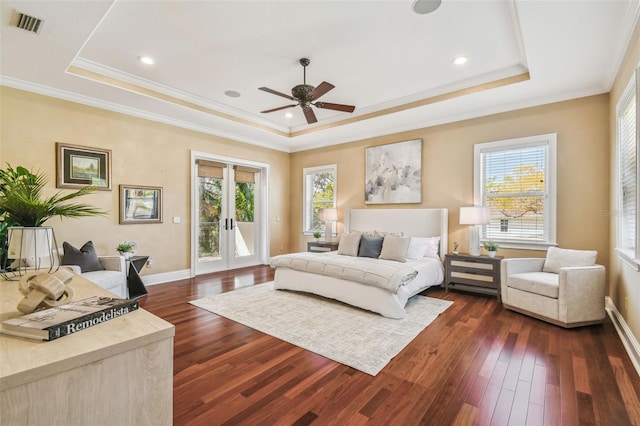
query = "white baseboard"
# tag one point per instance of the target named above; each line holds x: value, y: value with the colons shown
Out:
x: 628, y: 339
x: 164, y: 277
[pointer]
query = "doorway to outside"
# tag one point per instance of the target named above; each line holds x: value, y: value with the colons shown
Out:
x: 228, y: 211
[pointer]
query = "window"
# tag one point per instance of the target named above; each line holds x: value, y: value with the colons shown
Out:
x: 627, y: 147
x: 516, y: 179
x: 319, y: 191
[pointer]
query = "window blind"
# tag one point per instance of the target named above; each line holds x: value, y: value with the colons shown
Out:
x: 514, y: 188
x: 245, y: 174
x: 628, y: 170
x: 210, y: 169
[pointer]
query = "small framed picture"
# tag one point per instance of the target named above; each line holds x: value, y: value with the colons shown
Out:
x: 79, y: 166
x: 140, y: 204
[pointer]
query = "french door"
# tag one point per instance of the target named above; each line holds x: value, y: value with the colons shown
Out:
x: 228, y: 232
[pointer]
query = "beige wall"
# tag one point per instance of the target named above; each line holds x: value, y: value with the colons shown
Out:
x: 143, y: 153
x: 624, y: 280
x: 582, y: 127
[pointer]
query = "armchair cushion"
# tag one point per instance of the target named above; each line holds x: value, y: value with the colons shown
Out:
x: 559, y: 258
x: 542, y: 283
x: 85, y: 257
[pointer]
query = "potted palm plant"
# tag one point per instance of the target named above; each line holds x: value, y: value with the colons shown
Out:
x: 23, y: 207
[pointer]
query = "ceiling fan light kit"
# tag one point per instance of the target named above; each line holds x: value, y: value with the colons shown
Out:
x: 305, y: 95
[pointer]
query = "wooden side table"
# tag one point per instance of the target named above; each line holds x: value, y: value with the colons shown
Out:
x: 477, y: 274
x: 322, y: 246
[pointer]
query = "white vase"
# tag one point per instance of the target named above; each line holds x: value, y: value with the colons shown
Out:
x: 491, y: 253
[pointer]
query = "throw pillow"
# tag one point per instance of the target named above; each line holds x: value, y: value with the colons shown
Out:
x: 395, y: 248
x: 86, y: 257
x: 349, y: 243
x: 370, y: 246
x: 420, y: 247
x: 559, y: 258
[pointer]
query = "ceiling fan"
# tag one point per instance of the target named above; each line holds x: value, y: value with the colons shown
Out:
x: 305, y: 95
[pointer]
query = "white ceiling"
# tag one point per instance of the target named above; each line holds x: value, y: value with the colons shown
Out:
x: 391, y: 63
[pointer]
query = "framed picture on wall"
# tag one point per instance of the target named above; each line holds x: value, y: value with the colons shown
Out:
x: 393, y: 173
x: 140, y: 204
x: 80, y: 166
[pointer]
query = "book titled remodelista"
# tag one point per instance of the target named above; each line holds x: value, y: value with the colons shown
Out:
x: 52, y: 323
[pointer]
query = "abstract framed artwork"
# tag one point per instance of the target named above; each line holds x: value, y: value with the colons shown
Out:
x: 393, y: 173
x: 140, y: 204
x: 80, y: 166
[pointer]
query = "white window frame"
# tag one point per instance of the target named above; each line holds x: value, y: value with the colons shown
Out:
x: 631, y: 256
x: 307, y: 196
x: 550, y: 188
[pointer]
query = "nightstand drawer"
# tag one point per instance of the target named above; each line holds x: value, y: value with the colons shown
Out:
x: 322, y: 246
x: 471, y: 276
x: 472, y: 265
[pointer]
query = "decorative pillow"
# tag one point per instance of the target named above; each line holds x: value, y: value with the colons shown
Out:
x: 420, y: 247
x: 86, y: 257
x: 349, y: 243
x: 370, y: 246
x: 433, y: 248
x: 559, y: 258
x: 395, y: 248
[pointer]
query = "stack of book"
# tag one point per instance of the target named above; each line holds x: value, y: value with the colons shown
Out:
x: 52, y: 323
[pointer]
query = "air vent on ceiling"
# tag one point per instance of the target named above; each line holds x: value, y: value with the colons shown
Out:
x: 26, y: 22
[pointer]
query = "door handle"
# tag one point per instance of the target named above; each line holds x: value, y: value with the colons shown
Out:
x: 226, y: 224
x: 231, y: 224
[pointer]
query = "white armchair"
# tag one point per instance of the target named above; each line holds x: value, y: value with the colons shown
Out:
x: 566, y: 289
x: 113, y: 278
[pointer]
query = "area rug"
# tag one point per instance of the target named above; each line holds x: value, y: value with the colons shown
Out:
x: 360, y: 339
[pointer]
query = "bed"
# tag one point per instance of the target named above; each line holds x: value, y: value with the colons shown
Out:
x: 389, y: 301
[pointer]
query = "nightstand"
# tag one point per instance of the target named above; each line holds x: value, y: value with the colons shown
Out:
x: 477, y: 274
x: 322, y: 246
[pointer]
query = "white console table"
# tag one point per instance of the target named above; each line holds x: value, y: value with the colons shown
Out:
x: 116, y: 373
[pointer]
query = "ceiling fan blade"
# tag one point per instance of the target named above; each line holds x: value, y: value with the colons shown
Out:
x: 275, y: 92
x: 323, y: 88
x: 337, y: 107
x: 279, y: 108
x: 309, y: 115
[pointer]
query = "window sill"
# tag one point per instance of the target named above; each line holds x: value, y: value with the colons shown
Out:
x: 521, y: 245
x: 627, y: 257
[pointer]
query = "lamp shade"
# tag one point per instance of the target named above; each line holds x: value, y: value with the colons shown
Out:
x: 328, y: 214
x: 475, y: 215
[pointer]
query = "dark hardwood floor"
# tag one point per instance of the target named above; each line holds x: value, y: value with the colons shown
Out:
x: 476, y: 364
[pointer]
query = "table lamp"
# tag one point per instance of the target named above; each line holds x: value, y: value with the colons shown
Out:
x: 328, y: 216
x: 474, y: 216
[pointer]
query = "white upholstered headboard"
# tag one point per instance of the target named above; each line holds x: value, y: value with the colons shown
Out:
x: 411, y: 222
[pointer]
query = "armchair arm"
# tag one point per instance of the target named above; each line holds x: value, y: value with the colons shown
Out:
x: 112, y: 263
x: 517, y: 266
x: 581, y: 293
x: 73, y: 268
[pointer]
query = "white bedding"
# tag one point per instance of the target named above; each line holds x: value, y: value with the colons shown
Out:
x: 387, y: 274
x: 410, y: 222
x: 365, y: 296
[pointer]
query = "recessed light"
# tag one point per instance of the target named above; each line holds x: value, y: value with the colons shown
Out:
x: 148, y: 60
x: 288, y: 115
x: 423, y: 7
x: 232, y: 94
x: 460, y: 60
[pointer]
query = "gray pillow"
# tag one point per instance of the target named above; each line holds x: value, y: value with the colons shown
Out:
x: 370, y: 246
x: 559, y: 258
x: 349, y: 243
x: 86, y: 258
x: 395, y: 248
